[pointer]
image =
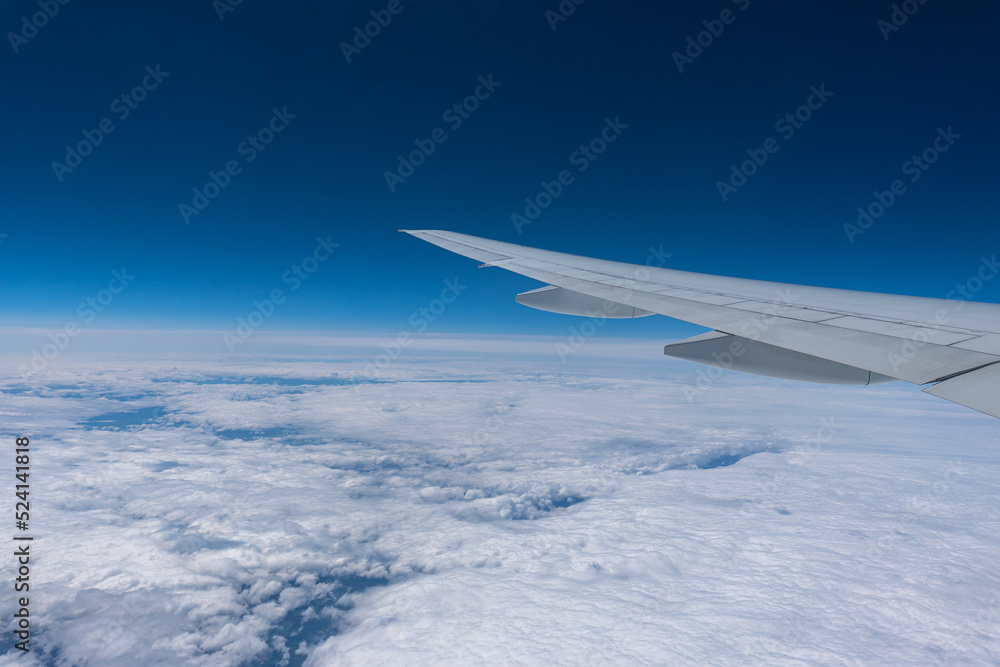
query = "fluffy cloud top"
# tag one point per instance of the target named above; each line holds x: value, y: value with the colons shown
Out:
x: 465, y: 506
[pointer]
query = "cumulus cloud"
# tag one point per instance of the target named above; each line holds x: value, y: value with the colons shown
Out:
x: 471, y: 506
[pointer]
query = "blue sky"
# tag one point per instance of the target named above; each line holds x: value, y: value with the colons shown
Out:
x: 323, y: 175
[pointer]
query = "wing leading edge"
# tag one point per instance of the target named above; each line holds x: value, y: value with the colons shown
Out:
x: 797, y: 331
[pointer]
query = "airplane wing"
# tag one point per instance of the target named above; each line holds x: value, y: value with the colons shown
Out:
x: 806, y: 333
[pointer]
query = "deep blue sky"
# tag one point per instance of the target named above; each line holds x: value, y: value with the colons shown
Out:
x: 323, y: 175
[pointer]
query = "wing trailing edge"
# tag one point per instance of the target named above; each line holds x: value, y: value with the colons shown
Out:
x: 978, y: 389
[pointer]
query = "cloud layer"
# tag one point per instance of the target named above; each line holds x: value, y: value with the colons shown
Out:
x: 473, y: 507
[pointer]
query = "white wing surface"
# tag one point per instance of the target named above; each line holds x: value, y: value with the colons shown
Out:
x: 807, y: 333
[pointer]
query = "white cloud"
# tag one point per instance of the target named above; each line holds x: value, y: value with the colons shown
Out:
x: 479, y: 507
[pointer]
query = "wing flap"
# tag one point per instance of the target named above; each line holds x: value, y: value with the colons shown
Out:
x: 923, y: 333
x: 803, y: 314
x: 988, y: 344
x: 978, y: 389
